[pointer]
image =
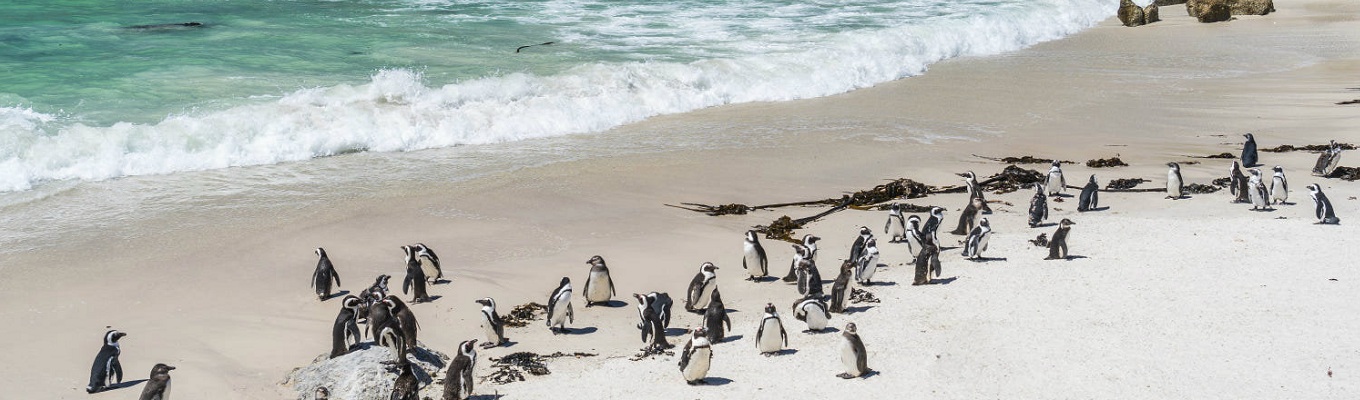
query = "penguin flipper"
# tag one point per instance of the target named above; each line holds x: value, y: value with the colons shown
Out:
x: 335, y: 274
x: 406, y: 284
x: 571, y: 314
x: 684, y: 356
x: 117, y: 370
x: 728, y: 320
x: 783, y: 334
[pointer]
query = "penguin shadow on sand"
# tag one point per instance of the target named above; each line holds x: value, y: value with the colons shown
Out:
x: 124, y: 384
x: 785, y: 352
x: 826, y: 330
x: 676, y: 332
x: 942, y: 281
x: 341, y: 293
x: 715, y: 381
x: 986, y: 259
x: 429, y: 299
x: 731, y: 338
x: 580, y: 331
x: 1097, y: 209
x: 496, y: 396
x: 1069, y: 257
x: 855, y: 310
x: 611, y: 304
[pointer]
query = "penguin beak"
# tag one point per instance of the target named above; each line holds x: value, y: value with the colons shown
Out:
x: 170, y: 367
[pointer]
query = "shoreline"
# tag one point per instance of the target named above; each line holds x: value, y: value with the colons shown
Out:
x: 226, y: 302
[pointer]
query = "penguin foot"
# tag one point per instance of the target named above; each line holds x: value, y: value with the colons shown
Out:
x: 846, y: 375
x: 697, y: 382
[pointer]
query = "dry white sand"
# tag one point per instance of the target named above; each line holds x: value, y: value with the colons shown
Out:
x: 1195, y: 298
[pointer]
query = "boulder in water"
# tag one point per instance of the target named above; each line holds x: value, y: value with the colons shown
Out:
x: 1130, y: 14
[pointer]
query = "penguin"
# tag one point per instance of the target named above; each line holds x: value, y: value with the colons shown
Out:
x: 714, y: 317
x: 158, y: 385
x: 896, y: 227
x: 855, y: 249
x: 1279, y: 187
x: 914, y: 235
x: 1057, y: 247
x: 701, y: 288
x: 491, y: 323
x: 1038, y: 207
x: 1323, y: 207
x: 694, y: 360
x: 599, y: 287
x: 458, y: 379
x: 390, y: 336
x: 323, y: 275
x: 766, y: 341
x: 840, y: 290
x: 810, y: 242
x: 653, y: 333
x: 406, y: 386
x: 970, y: 183
x: 932, y: 225
x: 106, y: 369
x: 1260, y: 196
x: 812, y: 311
x: 322, y: 393
x: 415, y: 276
x: 1249, y: 151
x: 977, y: 240
x: 406, y: 319
x: 429, y: 263
x: 559, y: 308
x: 968, y: 218
x: 1327, y: 160
x: 809, y: 279
x: 867, y: 264
x: 1175, y: 186
x: 754, y: 261
x: 379, y: 316
x: 1090, y: 196
x: 1237, y: 183
x: 1056, y: 184
x: 926, y: 262
x: 660, y: 302
x: 345, y: 331
x: 853, y: 355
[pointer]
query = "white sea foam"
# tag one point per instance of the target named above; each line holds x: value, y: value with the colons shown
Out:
x: 397, y: 111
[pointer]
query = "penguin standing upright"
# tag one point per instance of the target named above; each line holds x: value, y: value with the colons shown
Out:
x: 812, y: 311
x: 694, y: 360
x: 1279, y: 186
x: 914, y: 235
x: 714, y: 317
x: 1322, y: 207
x: 158, y: 385
x: 415, y: 276
x: 1249, y: 151
x: 1328, y: 160
x: 896, y: 227
x: 406, y: 386
x: 345, y: 331
x: 766, y: 340
x: 492, y: 323
x: 809, y: 279
x: 932, y: 225
x: 1055, y: 183
x: 753, y: 260
x: 599, y: 287
x: 379, y: 316
x: 867, y: 264
x: 653, y: 333
x: 1038, y: 206
x: 855, y: 249
x: 323, y: 275
x: 458, y: 379
x: 810, y: 242
x: 701, y: 288
x: 1175, y: 186
x: 1260, y: 196
x: 853, y: 355
x: 927, y: 261
x: 840, y: 290
x: 429, y: 263
x: 407, y: 320
x: 559, y: 307
x: 1090, y: 196
x: 1237, y: 184
x: 970, y: 183
x: 106, y: 369
x: 977, y: 240
x: 968, y: 218
x: 1057, y: 247
x: 660, y: 302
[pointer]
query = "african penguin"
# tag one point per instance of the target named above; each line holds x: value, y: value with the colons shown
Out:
x: 1175, y: 186
x: 415, y: 276
x: 701, y: 288
x: 1056, y: 184
x: 1057, y: 247
x: 406, y: 319
x: 1038, y: 206
x: 458, y: 379
x: 599, y: 286
x: 653, y: 333
x: 766, y: 341
x: 970, y: 182
x: 1249, y: 151
x: 1237, y: 183
x: 379, y: 317
x: 429, y: 263
x: 977, y: 240
x: 1323, y: 207
x: 106, y: 369
x: 855, y: 249
x: 914, y: 235
x: 660, y: 302
x: 695, y: 358
x: 810, y: 242
x: 1279, y: 187
x: 323, y: 275
x: 1260, y: 196
x: 559, y: 307
x: 809, y: 279
x: 932, y: 225
x: 867, y: 264
x: 1090, y: 196
x: 853, y: 355
x: 714, y: 317
x: 812, y: 311
x: 753, y: 260
x: 896, y: 227
x: 968, y: 218
x: 1328, y: 160
x: 406, y: 386
x: 345, y: 331
x: 491, y: 323
x: 158, y: 385
x: 928, y: 261
x: 840, y: 290
x: 322, y: 393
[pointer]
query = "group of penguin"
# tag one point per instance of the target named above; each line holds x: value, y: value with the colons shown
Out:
x: 107, y: 371
x: 1252, y: 189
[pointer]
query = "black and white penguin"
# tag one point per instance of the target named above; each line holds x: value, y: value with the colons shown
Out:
x: 599, y: 286
x: 932, y: 225
x: 653, y: 332
x: 896, y: 227
x: 977, y: 240
x: 867, y: 264
x: 380, y: 316
x: 1057, y: 246
x: 1175, y: 186
x: 1056, y: 183
x: 928, y: 261
x: 1249, y: 151
x: 809, y: 279
x: 753, y: 260
x: 701, y: 288
x: 415, y: 277
x: 968, y: 218
x: 853, y: 356
x: 1038, y: 206
x: 714, y: 317
x: 158, y: 385
x: 810, y: 242
x: 406, y: 319
x: 970, y: 183
x: 812, y: 311
x: 1237, y: 184
x: 379, y: 288
x: 1090, y: 196
x: 559, y: 307
x: 106, y: 369
x: 661, y: 303
x: 858, y: 247
x: 429, y: 263
x: 694, y: 360
x: 1328, y: 160
x: 406, y: 386
x: 491, y: 323
x: 458, y: 378
x: 322, y: 393
x: 766, y: 340
x: 1322, y: 207
x: 323, y: 275
x: 914, y: 235
x: 1260, y: 196
x: 1279, y: 186
x: 840, y: 290
x: 345, y: 331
